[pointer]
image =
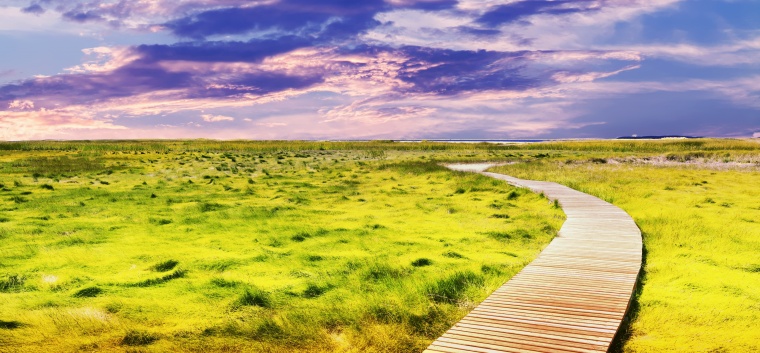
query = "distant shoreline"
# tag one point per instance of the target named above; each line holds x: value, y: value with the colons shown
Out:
x: 507, y: 141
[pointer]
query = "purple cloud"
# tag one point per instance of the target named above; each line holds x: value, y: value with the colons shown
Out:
x: 431, y: 5
x: 329, y: 19
x: 455, y: 71
x: 76, y: 89
x: 258, y: 83
x: 35, y: 9
x: 518, y: 10
x: 208, y: 10
x: 232, y: 71
x: 289, y: 17
x: 82, y: 16
x: 478, y: 32
x: 221, y: 51
x: 446, y: 72
x: 154, y: 71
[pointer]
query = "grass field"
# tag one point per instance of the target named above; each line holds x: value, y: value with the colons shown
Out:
x: 238, y: 247
x: 699, y: 213
x: 286, y: 246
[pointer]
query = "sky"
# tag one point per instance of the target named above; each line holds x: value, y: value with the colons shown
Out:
x: 378, y: 69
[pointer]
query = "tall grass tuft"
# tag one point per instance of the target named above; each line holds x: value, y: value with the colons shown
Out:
x: 454, y: 288
x: 269, y: 329
x: 223, y: 283
x: 18, y: 199
x: 300, y: 236
x: 383, y: 271
x: 254, y: 297
x: 12, y: 283
x: 10, y: 325
x: 510, y: 235
x: 432, y: 322
x: 165, y: 266
x: 314, y: 290
x: 138, y: 338
x: 453, y: 255
x: 87, y: 292
x: 421, y: 262
x: 155, y: 281
x: 210, y: 206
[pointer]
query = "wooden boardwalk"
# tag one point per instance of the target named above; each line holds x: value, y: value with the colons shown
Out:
x: 572, y: 297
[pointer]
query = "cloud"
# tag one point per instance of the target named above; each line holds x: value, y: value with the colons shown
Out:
x: 523, y: 25
x: 372, y: 69
x: 326, y: 20
x: 35, y: 9
x: 569, y: 77
x: 76, y: 89
x: 290, y: 16
x: 733, y: 53
x: 16, y: 20
x: 134, y: 14
x: 21, y: 105
x: 104, y: 59
x: 82, y: 17
x: 199, y: 19
x: 270, y: 124
x: 744, y: 91
x: 521, y: 9
x: 45, y: 124
x: 209, y: 118
x: 375, y: 111
x: 385, y: 84
x: 450, y: 71
x: 221, y: 51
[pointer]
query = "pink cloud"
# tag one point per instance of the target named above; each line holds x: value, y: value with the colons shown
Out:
x: 21, y: 105
x: 45, y: 124
x: 272, y: 124
x: 209, y: 118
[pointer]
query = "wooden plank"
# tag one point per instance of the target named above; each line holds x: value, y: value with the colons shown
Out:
x: 571, y: 298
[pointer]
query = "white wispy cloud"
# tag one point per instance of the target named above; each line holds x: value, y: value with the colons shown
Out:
x: 209, y: 118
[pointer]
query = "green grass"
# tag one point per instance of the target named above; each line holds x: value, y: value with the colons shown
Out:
x: 298, y: 246
x: 190, y: 246
x: 700, y: 287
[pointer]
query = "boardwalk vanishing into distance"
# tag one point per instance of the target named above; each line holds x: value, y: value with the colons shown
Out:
x: 572, y: 297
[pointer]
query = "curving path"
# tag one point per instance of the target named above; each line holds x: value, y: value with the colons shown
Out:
x: 572, y: 297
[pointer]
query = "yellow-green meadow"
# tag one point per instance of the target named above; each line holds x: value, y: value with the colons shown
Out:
x: 167, y: 246
x: 288, y: 246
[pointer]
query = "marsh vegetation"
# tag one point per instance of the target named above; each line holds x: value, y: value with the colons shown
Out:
x: 168, y: 246
x: 357, y: 247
